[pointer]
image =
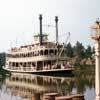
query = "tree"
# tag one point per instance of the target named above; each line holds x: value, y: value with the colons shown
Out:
x: 2, y: 59
x: 69, y: 50
x: 88, y: 51
x: 79, y: 50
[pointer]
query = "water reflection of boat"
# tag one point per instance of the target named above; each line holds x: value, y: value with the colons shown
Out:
x: 27, y: 85
x: 42, y: 56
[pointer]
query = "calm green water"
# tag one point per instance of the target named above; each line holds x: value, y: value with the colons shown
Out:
x: 32, y: 87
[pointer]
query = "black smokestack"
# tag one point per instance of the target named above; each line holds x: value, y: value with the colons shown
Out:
x: 40, y: 18
x: 56, y: 20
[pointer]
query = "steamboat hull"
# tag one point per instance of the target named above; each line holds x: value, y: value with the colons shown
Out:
x: 53, y: 72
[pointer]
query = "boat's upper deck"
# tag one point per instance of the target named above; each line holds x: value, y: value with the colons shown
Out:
x: 36, y: 45
x: 33, y: 47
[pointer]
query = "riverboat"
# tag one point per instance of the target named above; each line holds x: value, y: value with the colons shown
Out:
x: 40, y: 57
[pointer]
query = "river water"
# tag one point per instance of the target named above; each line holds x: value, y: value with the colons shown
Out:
x: 32, y: 87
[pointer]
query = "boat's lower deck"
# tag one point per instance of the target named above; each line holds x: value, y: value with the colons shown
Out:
x: 43, y: 72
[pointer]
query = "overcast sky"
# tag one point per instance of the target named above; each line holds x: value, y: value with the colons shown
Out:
x: 19, y: 20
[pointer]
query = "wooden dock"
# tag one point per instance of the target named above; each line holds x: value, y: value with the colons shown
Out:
x: 57, y: 96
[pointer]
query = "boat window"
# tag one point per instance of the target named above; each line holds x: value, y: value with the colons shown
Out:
x: 25, y: 80
x: 21, y: 63
x: 24, y: 64
x: 28, y: 54
x: 22, y: 55
x: 16, y: 64
x: 55, y: 52
x: 17, y: 55
x: 33, y: 54
x: 13, y: 64
x: 51, y: 52
x: 46, y: 52
x: 36, y: 53
x: 10, y: 63
x: 41, y: 52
